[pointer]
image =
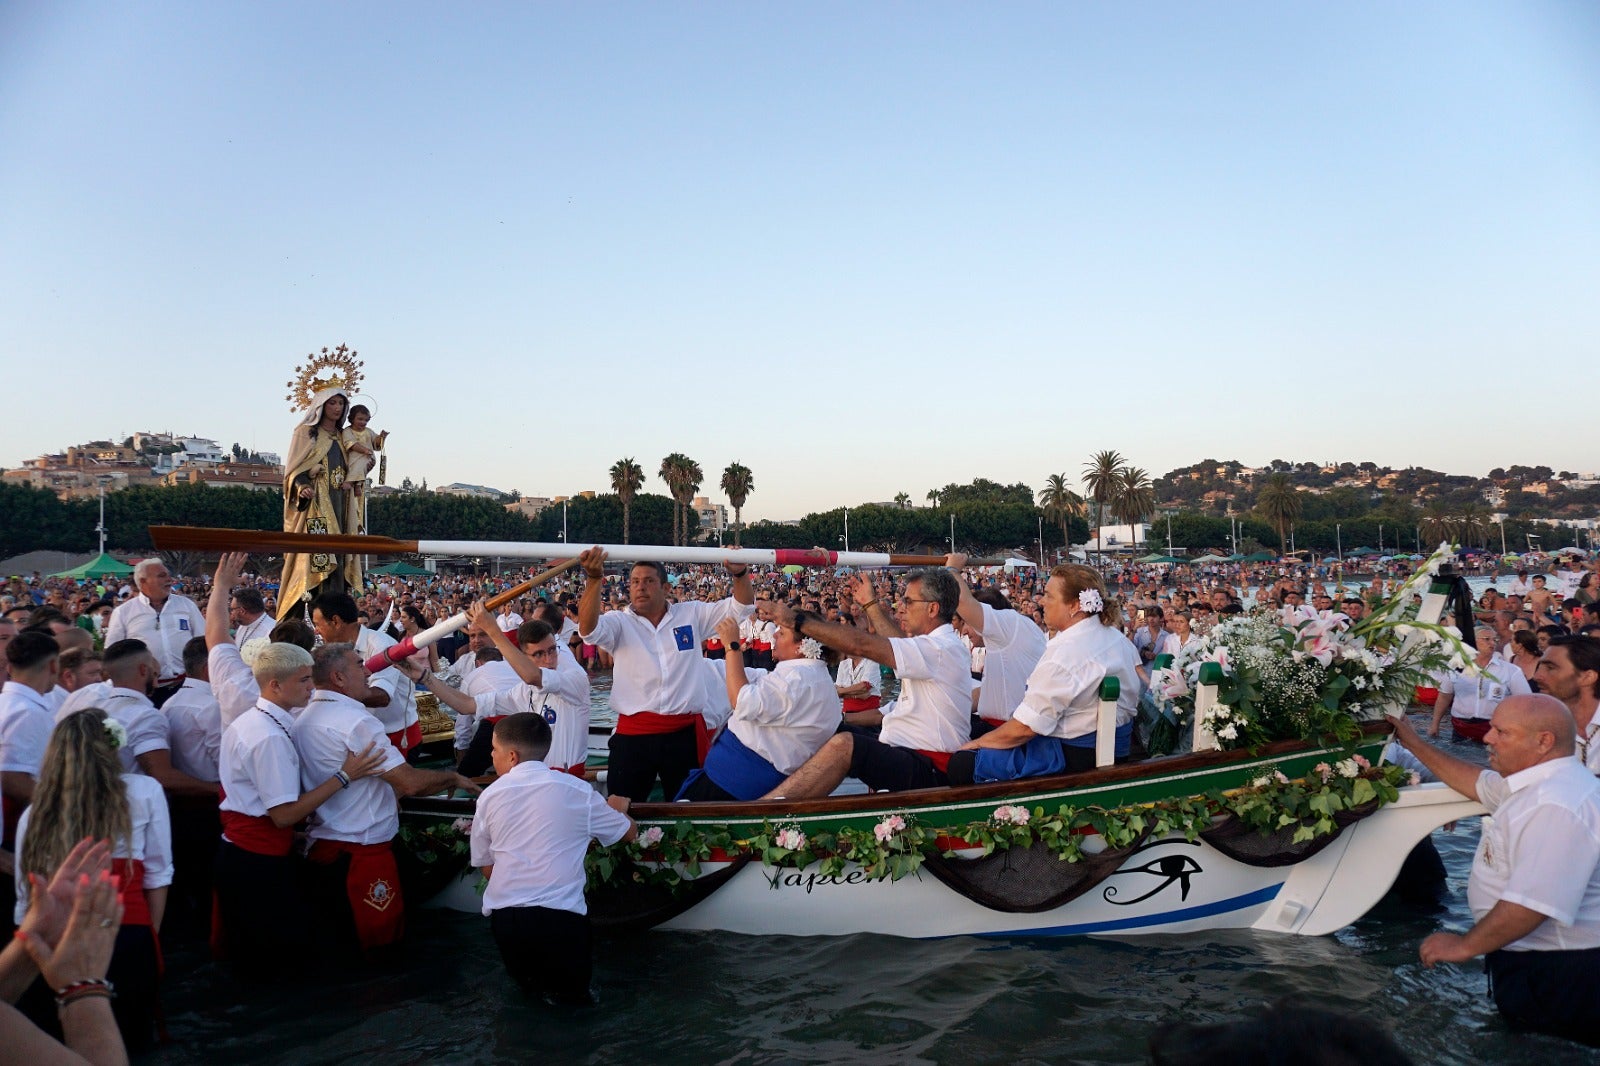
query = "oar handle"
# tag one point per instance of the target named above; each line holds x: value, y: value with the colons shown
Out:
x: 458, y: 621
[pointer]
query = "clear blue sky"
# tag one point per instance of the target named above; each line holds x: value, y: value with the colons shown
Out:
x: 862, y: 249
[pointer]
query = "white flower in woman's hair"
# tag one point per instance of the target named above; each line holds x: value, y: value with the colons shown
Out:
x: 116, y: 733
x: 251, y: 650
x: 811, y: 648
x: 1089, y: 601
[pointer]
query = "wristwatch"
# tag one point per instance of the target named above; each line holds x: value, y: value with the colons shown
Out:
x: 734, y: 645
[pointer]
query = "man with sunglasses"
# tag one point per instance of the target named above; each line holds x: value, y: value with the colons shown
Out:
x: 932, y: 717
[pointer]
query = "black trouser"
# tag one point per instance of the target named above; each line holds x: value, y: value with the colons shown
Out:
x: 636, y: 761
x: 135, y: 1006
x: 1548, y: 991
x: 478, y: 759
x: 196, y: 834
x: 550, y: 953
x: 705, y: 790
x: 261, y: 910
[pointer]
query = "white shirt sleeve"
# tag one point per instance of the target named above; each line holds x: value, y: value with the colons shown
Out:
x: 274, y: 768
x: 23, y: 750
x: 1548, y: 851
x: 605, y: 632
x: 148, y: 732
x: 157, y: 840
x: 910, y: 660
x: 606, y: 824
x: 1052, y: 688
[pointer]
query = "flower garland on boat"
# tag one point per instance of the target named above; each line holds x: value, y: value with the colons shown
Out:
x: 1296, y: 674
x: 897, y: 845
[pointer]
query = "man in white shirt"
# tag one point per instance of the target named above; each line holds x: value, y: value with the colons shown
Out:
x: 932, y: 717
x: 352, y: 854
x: 248, y: 613
x: 1013, y: 644
x: 263, y: 926
x: 390, y: 696
x: 1569, y: 670
x: 26, y: 721
x: 658, y: 685
x: 532, y: 829
x: 194, y: 719
x: 1534, y: 890
x: 194, y: 733
x: 163, y: 619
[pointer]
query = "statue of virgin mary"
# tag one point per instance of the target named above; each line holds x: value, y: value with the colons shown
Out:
x: 316, y: 500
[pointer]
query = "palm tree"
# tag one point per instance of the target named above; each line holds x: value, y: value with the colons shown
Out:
x: 1101, y: 475
x: 1058, y: 502
x: 738, y: 482
x: 1279, y: 504
x: 902, y: 500
x: 1437, y: 523
x: 672, y: 472
x: 1472, y: 524
x: 1134, y: 498
x: 627, y: 478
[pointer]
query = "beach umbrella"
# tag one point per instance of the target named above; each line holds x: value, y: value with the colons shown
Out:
x: 1212, y: 559
x: 1259, y: 557
x: 1235, y: 558
x: 1330, y: 558
x: 792, y: 569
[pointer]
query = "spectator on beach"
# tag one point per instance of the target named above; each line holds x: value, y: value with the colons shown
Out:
x: 1469, y: 697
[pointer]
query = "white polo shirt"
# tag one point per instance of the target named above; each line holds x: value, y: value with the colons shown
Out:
x: 1541, y: 850
x: 786, y: 715
x: 149, y: 839
x: 1013, y: 644
x: 934, y: 710
x: 164, y: 632
x: 534, y: 826
x: 562, y: 698
x: 1063, y: 697
x: 1477, y: 697
x: 657, y: 667
x: 257, y: 763
x: 26, y: 722
x: 852, y: 672
x: 331, y: 727
x: 194, y: 729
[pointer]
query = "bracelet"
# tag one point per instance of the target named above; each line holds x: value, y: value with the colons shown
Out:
x: 342, y: 777
x: 869, y: 604
x: 88, y: 986
x: 63, y: 1002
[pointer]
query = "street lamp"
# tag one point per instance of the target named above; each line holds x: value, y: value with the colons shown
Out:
x: 847, y: 529
x: 563, y: 521
x: 1041, y: 542
x: 952, y: 534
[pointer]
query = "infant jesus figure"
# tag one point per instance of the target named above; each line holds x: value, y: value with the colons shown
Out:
x: 360, y: 447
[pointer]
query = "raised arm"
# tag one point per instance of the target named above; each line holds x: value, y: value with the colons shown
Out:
x: 229, y: 567
x: 846, y: 639
x: 733, y: 659
x: 744, y: 590
x: 514, y: 656
x: 593, y: 561
x: 970, y: 610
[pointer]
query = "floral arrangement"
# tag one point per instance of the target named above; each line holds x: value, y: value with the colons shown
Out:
x: 897, y: 846
x: 116, y: 733
x: 1296, y: 674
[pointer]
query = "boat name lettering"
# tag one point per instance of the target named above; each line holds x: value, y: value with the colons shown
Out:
x: 799, y: 879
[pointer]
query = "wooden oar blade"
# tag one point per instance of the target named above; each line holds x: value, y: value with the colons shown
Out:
x: 208, y: 540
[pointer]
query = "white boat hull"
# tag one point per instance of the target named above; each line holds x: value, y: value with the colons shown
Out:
x: 1166, y: 886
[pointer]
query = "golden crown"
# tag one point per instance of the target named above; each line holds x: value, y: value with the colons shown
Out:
x: 336, y: 369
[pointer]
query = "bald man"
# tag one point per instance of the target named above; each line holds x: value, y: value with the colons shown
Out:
x: 1535, y: 884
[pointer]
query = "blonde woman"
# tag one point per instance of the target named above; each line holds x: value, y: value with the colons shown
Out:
x: 83, y: 792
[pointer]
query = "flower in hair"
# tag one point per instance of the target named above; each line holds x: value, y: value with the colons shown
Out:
x: 116, y: 733
x: 1089, y: 601
x: 811, y: 648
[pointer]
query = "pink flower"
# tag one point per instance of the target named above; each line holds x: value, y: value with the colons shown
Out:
x: 1324, y: 771
x: 886, y: 829
x: 651, y: 837
x: 1011, y: 815
x: 462, y: 825
x: 1361, y: 761
x: 790, y: 839
x: 1413, y: 778
x: 1280, y: 777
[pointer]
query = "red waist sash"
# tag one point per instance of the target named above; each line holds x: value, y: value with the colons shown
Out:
x: 940, y: 759
x: 996, y: 722
x: 256, y: 833
x: 129, y: 874
x: 651, y: 723
x: 862, y: 703
x: 1471, y: 728
x: 579, y: 770
x: 406, y: 739
x: 373, y: 886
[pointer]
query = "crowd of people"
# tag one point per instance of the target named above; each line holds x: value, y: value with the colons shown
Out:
x: 240, y: 775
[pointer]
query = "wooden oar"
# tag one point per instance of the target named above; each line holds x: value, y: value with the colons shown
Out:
x: 202, y: 539
x: 433, y: 634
